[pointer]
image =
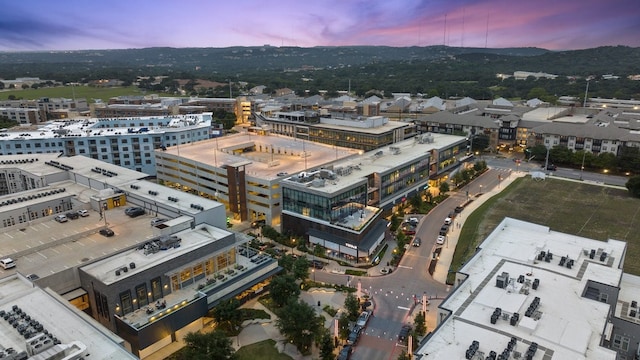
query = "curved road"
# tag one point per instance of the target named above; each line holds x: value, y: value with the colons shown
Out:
x: 393, y: 294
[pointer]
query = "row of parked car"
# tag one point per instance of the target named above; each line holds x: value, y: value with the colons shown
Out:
x: 61, y: 218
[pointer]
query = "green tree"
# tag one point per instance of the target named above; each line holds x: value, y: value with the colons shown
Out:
x: 343, y: 326
x: 287, y: 261
x: 300, y: 325
x: 419, y: 324
x: 444, y: 187
x: 404, y: 355
x: 227, y: 315
x: 301, y: 268
x: 283, y: 288
x: 326, y: 345
x: 633, y: 185
x: 208, y: 346
x: 352, y: 306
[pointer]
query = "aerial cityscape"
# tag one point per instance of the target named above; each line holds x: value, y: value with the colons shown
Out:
x: 329, y: 180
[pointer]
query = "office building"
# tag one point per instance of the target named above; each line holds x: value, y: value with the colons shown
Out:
x: 533, y: 293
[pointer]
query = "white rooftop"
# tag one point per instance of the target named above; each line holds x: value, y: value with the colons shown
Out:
x: 189, y: 241
x: 101, y: 127
x: 287, y: 156
x: 58, y: 317
x: 382, y: 160
x: 565, y: 325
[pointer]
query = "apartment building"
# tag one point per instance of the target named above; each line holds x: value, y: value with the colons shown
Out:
x: 127, y: 142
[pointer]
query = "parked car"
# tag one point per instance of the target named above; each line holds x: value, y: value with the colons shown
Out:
x: 7, y: 263
x: 106, y: 232
x: 354, y: 335
x: 134, y: 211
x: 448, y: 220
x: 458, y: 209
x: 441, y: 239
x: 83, y: 213
x: 317, y: 264
x: 345, y: 353
x: 404, y: 334
x: 72, y: 215
x: 61, y: 218
x: 33, y: 277
x: 550, y: 167
x: 444, y: 229
x: 363, y: 318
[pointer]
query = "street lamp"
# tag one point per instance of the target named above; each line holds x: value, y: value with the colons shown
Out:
x: 480, y: 189
x: 293, y: 243
x: 584, y: 153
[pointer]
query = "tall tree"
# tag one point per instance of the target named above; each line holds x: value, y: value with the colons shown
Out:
x: 208, y: 346
x: 284, y: 288
x: 419, y: 324
x: 227, y: 315
x: 326, y: 345
x: 299, y: 323
x: 301, y: 268
x: 352, y: 306
x: 343, y: 326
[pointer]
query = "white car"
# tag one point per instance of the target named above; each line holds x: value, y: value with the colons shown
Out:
x: 440, y: 240
x: 448, y: 221
x: 83, y: 213
x: 61, y: 218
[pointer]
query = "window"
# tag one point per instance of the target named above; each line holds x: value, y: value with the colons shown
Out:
x: 620, y: 342
x: 156, y: 288
x: 125, y: 302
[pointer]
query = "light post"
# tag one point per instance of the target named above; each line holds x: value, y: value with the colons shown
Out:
x: 480, y: 189
x: 584, y: 153
x: 293, y: 243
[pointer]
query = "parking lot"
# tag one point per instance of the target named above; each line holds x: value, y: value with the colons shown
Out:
x: 46, y: 246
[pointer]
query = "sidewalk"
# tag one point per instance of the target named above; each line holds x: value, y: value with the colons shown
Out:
x: 446, y: 255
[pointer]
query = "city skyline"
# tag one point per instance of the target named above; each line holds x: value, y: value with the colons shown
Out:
x: 39, y: 25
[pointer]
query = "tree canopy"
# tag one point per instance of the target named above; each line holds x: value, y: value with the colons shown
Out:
x: 300, y: 325
x: 208, y: 346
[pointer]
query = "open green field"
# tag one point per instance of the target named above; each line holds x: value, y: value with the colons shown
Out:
x: 263, y: 350
x: 576, y: 208
x: 86, y: 92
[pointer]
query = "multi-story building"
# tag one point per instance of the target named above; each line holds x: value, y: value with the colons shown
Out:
x: 24, y: 116
x: 341, y: 206
x: 127, y: 142
x: 586, y: 137
x: 535, y: 293
x: 358, y: 132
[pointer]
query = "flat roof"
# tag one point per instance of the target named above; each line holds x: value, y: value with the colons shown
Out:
x: 96, y: 127
x: 565, y: 325
x: 381, y: 161
x: 105, y: 270
x: 629, y: 296
x: 287, y: 156
x: 59, y: 318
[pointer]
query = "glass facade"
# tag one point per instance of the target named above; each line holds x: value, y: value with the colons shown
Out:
x: 321, y: 207
x: 404, y: 177
x: 349, y: 139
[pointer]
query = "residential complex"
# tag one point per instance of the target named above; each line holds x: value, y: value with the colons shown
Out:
x: 126, y: 142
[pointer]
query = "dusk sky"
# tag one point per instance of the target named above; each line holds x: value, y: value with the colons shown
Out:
x: 118, y: 24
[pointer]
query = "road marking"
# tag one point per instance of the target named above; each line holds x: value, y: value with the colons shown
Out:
x: 39, y: 253
x: 405, y: 267
x: 9, y: 235
x: 403, y: 308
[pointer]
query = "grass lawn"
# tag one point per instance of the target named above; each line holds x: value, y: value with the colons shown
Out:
x: 68, y: 92
x: 264, y: 350
x: 581, y: 209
